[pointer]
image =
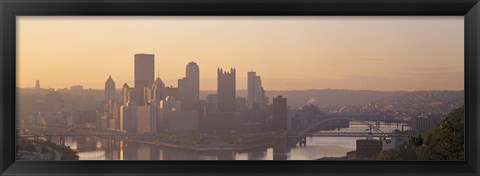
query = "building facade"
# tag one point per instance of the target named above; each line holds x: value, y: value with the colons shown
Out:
x: 128, y: 113
x: 256, y: 94
x: 144, y: 75
x: 109, y: 89
x: 280, y: 113
x: 193, y: 76
x: 158, y: 91
x: 147, y: 118
x: 226, y: 90
x: 189, y: 87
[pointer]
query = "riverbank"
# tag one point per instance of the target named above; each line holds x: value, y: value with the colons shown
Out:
x: 235, y: 148
x: 44, y: 150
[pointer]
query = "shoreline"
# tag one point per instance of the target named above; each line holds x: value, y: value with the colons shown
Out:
x: 205, y: 149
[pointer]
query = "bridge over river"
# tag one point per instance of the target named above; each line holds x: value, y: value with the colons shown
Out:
x: 298, y: 136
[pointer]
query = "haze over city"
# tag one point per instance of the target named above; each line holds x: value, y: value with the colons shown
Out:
x: 240, y: 88
x: 290, y: 53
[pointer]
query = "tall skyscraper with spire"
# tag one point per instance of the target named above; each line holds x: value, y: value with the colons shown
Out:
x: 109, y: 89
x: 144, y: 76
x: 226, y: 90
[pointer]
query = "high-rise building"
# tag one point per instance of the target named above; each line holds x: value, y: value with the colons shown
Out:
x: 256, y: 94
x: 128, y: 113
x: 193, y: 77
x: 189, y: 87
x: 116, y: 115
x: 147, y: 95
x: 226, y: 90
x: 37, y: 84
x: 280, y: 113
x: 158, y: 91
x: 147, y: 118
x: 251, y: 89
x: 202, y: 114
x: 109, y: 89
x: 144, y: 75
x: 184, y: 92
x: 125, y: 90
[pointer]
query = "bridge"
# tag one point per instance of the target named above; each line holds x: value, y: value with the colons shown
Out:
x: 312, y: 130
x: 343, y: 134
x: 316, y: 125
x: 297, y: 136
x: 149, y: 135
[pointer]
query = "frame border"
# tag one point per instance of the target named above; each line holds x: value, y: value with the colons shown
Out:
x: 9, y: 9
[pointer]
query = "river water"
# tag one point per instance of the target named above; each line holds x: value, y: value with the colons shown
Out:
x: 92, y: 148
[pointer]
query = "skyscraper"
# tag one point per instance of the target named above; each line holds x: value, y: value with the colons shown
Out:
x: 125, y: 90
x: 144, y: 75
x: 37, y: 84
x: 226, y: 90
x: 279, y: 113
x: 109, y: 89
x: 184, y: 92
x: 158, y: 91
x: 129, y: 116
x: 256, y: 95
x: 147, y: 118
x: 189, y: 86
x: 193, y: 76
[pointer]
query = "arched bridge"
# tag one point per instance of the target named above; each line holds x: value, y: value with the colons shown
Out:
x: 311, y: 128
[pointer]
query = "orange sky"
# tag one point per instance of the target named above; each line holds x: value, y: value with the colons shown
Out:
x: 376, y: 53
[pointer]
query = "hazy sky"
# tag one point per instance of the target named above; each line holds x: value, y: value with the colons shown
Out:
x: 376, y: 53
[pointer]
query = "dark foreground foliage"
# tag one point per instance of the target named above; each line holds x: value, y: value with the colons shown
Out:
x: 443, y: 142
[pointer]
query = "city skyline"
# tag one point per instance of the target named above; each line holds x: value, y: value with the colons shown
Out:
x: 321, y: 68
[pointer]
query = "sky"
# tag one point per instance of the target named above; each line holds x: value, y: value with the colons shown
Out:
x: 289, y: 53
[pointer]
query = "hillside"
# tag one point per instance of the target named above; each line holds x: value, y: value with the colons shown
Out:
x: 443, y: 142
x: 320, y: 97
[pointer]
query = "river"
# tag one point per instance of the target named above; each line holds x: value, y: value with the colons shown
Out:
x: 93, y: 148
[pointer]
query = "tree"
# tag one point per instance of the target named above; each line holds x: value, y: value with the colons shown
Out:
x: 389, y: 155
x: 443, y: 142
x: 446, y: 140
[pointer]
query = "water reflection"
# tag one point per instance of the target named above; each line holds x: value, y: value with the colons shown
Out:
x: 95, y: 148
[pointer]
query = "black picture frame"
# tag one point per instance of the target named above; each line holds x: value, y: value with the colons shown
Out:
x: 9, y: 9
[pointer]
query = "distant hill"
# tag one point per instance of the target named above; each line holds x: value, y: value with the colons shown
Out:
x: 320, y: 97
x: 332, y: 97
x: 338, y: 97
